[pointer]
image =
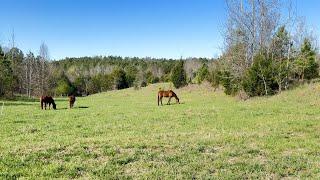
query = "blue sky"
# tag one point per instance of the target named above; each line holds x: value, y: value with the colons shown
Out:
x: 155, y: 28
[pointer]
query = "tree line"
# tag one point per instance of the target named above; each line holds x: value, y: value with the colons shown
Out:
x: 23, y: 74
x: 35, y: 75
x: 267, y: 48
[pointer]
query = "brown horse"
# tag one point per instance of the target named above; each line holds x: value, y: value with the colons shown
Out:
x: 44, y: 100
x: 168, y: 94
x: 72, y: 99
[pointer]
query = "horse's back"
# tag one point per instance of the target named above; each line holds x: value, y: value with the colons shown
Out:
x: 72, y: 98
x: 169, y: 93
x: 46, y: 99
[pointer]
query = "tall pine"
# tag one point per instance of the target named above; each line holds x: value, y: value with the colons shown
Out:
x: 306, y: 66
x: 178, y: 75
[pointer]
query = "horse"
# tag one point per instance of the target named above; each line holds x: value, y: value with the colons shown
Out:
x: 44, y: 100
x: 169, y: 94
x: 72, y: 99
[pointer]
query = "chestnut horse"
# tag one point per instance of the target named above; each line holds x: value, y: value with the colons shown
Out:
x: 44, y: 100
x: 72, y: 99
x: 168, y: 94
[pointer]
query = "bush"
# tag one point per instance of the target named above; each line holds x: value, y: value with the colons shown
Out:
x: 231, y: 84
x: 259, y: 79
x: 131, y: 75
x: 143, y: 84
x: 165, y: 78
x: 178, y: 75
x: 202, y: 74
x: 64, y: 87
x: 214, y: 78
x: 120, y: 81
x: 153, y: 80
x: 81, y: 84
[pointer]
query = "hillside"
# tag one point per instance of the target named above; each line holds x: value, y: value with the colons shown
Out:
x: 124, y: 134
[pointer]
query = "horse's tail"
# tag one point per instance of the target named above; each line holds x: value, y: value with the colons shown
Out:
x: 41, y: 102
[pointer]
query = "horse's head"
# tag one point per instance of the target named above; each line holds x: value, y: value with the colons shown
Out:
x: 177, y: 100
x: 54, y: 106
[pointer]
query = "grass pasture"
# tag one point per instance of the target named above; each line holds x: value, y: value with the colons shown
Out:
x: 124, y: 134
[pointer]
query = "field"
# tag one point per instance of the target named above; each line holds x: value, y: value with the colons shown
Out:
x: 124, y: 134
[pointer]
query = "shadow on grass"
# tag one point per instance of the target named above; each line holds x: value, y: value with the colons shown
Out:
x: 82, y: 107
x: 173, y: 104
x: 58, y: 109
x: 15, y: 104
x: 79, y: 107
x: 23, y: 99
x: 19, y: 121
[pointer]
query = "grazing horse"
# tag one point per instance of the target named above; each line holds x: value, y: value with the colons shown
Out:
x: 168, y: 94
x: 47, y: 100
x: 72, y: 99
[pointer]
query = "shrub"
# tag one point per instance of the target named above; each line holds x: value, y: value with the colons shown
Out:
x: 214, y: 78
x: 120, y: 81
x: 131, y: 75
x: 64, y: 87
x: 230, y: 83
x: 143, y: 84
x: 259, y: 79
x: 202, y: 74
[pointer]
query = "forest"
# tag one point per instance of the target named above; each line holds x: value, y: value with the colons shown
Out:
x: 32, y: 75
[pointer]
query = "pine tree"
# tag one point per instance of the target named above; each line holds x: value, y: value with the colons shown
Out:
x: 120, y: 80
x: 178, y: 75
x: 306, y: 66
x: 6, y: 75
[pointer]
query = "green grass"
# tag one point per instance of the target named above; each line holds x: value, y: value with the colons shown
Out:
x: 124, y: 134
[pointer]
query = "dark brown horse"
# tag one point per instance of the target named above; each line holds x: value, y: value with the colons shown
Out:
x: 72, y: 99
x: 168, y: 94
x: 45, y: 100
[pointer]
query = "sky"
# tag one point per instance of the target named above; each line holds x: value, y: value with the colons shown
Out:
x: 142, y: 28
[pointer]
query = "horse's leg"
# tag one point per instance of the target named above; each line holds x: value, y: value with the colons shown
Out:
x: 169, y: 100
x: 49, y: 105
x: 161, y: 100
x: 45, y: 106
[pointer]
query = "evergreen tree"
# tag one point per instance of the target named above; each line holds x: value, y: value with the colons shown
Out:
x: 120, y: 80
x: 131, y: 74
x: 6, y: 75
x: 178, y: 75
x: 281, y: 57
x: 259, y: 79
x: 306, y: 66
x: 203, y: 73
